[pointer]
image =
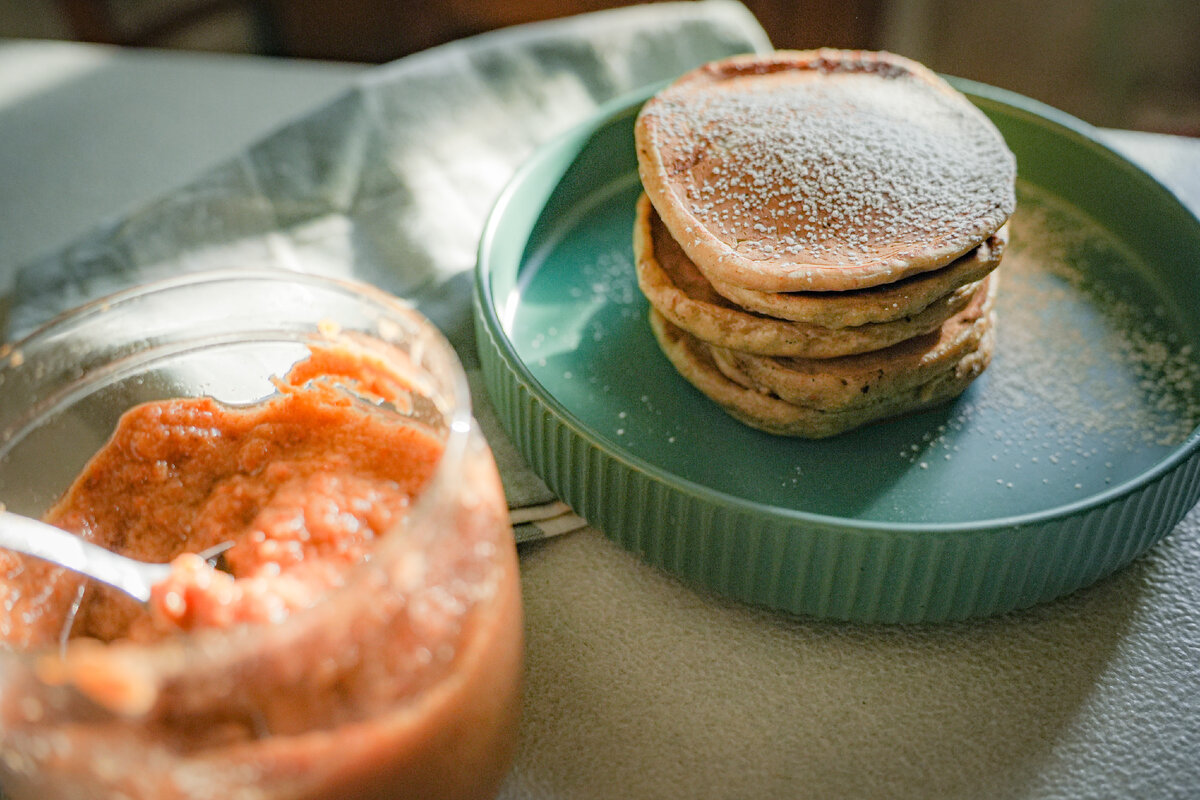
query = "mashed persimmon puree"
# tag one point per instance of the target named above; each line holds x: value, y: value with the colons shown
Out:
x: 302, y: 483
x: 405, y: 683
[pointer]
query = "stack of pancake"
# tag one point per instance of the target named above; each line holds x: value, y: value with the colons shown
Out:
x: 818, y: 236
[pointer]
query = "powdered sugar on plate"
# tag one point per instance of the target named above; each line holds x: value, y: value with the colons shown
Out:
x: 1092, y: 373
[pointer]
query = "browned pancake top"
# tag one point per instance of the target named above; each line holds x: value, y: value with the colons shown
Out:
x: 822, y: 170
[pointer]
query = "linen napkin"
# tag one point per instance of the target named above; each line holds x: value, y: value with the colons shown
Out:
x: 392, y: 181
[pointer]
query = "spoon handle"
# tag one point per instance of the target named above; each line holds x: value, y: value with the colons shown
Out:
x: 41, y: 540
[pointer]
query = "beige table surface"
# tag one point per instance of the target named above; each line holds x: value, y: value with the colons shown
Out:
x: 637, y: 686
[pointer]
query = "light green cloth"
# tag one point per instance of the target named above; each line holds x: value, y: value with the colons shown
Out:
x: 391, y: 183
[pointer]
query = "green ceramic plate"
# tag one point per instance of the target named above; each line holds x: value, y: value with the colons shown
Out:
x: 1075, y: 452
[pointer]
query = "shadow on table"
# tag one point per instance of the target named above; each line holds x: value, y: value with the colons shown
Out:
x: 637, y: 686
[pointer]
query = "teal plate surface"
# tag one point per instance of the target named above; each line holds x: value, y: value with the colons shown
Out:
x: 1074, y: 452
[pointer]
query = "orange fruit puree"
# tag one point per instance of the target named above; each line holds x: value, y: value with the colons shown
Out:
x: 415, y: 692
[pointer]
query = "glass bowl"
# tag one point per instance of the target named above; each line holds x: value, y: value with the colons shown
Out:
x: 404, y: 681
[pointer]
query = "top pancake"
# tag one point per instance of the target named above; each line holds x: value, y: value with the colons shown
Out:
x: 822, y: 170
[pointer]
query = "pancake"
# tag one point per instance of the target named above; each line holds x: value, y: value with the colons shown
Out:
x: 684, y: 296
x: 768, y: 413
x: 884, y: 303
x: 860, y: 380
x: 822, y: 170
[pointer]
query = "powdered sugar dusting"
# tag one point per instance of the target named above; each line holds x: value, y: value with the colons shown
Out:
x: 1116, y: 366
x: 1088, y: 373
x: 846, y: 170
